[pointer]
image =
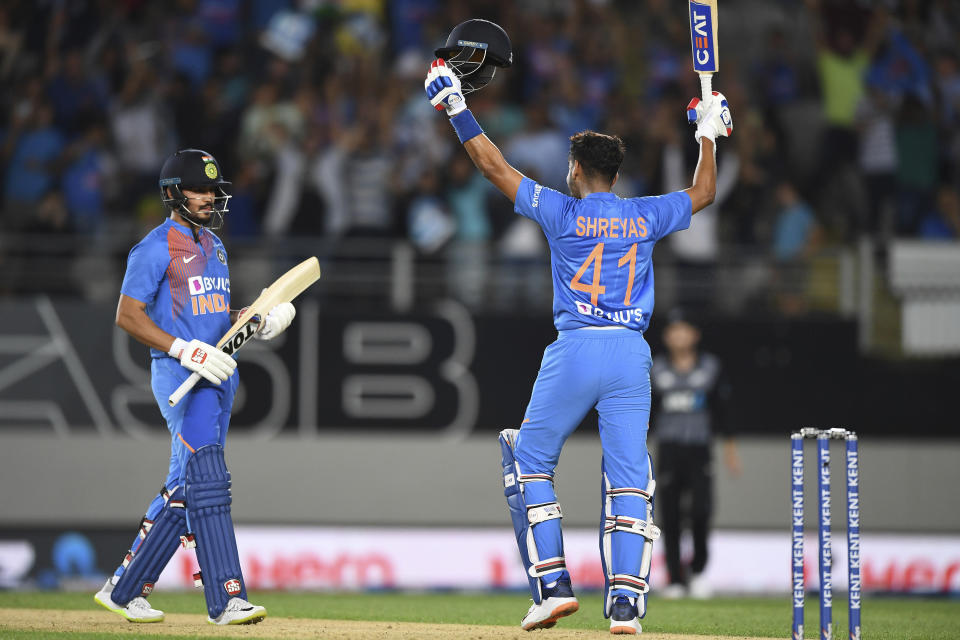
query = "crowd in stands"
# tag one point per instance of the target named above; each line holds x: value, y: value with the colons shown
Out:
x: 847, y: 117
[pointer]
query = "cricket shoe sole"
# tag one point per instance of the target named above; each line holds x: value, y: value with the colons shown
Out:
x: 239, y: 611
x: 137, y: 610
x: 546, y: 614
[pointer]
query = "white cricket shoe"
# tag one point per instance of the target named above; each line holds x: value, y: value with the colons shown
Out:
x: 624, y: 618
x: 239, y: 611
x: 137, y: 610
x: 673, y: 591
x: 557, y: 603
x: 700, y: 587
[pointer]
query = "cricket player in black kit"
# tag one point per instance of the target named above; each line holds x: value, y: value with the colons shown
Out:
x: 691, y: 396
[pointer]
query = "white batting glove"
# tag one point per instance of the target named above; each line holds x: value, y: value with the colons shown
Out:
x: 198, y: 356
x: 713, y: 118
x: 443, y: 88
x: 276, y: 321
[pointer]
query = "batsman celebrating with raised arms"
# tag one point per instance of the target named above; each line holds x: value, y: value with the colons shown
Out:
x: 175, y: 299
x: 600, y: 254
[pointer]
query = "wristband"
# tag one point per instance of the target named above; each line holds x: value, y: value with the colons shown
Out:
x: 177, y: 348
x: 466, y: 125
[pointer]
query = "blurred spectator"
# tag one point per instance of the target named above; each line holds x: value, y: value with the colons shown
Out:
x: 32, y: 147
x: 876, y: 115
x: 429, y: 223
x: 541, y: 146
x: 917, y: 170
x: 796, y: 233
x: 11, y: 41
x: 468, y: 193
x: 943, y: 223
x: 90, y: 170
x: 75, y: 96
x: 947, y: 87
x: 191, y: 53
x: 43, y: 263
x: 796, y: 238
x: 141, y: 131
x: 354, y: 177
x: 842, y: 60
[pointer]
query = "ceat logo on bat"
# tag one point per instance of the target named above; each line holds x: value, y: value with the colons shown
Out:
x: 232, y: 587
x: 701, y: 37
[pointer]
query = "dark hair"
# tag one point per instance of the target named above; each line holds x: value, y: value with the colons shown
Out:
x: 600, y: 155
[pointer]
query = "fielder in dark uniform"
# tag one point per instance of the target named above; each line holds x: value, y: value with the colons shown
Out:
x: 691, y: 396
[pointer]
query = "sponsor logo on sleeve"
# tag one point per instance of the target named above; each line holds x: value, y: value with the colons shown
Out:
x: 536, y: 195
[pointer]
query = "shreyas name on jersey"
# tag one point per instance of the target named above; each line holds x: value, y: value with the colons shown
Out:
x: 623, y: 316
x: 592, y: 227
x: 204, y: 296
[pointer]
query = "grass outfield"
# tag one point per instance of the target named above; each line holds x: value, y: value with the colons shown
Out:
x: 883, y: 618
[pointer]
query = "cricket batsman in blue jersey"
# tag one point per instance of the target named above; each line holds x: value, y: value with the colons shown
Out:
x: 175, y: 299
x: 600, y: 255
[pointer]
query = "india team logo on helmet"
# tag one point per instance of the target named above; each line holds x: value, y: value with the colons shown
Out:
x: 474, y: 50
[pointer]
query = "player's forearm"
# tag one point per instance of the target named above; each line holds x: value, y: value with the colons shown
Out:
x: 704, y: 188
x: 139, y: 325
x: 492, y: 165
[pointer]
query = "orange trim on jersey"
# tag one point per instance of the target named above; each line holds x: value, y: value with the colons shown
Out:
x: 192, y: 450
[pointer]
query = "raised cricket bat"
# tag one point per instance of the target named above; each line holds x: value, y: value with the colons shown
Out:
x: 284, y: 289
x: 703, y: 40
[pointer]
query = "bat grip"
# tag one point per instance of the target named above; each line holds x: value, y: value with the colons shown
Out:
x: 182, y: 390
x: 706, y: 86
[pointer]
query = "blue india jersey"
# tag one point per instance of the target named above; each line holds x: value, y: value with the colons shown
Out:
x: 601, y: 249
x: 184, y: 283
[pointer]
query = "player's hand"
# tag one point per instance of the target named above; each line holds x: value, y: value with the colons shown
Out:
x: 198, y: 356
x: 713, y: 118
x: 276, y: 321
x: 443, y: 88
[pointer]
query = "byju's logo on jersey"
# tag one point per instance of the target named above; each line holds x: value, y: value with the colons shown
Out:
x: 196, y: 285
x: 203, y: 298
x: 584, y: 308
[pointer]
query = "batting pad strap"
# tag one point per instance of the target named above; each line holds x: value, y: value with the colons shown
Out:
x: 550, y: 565
x: 629, y: 491
x: 631, y: 583
x: 466, y: 126
x: 627, y: 524
x: 543, y: 512
x: 535, y: 477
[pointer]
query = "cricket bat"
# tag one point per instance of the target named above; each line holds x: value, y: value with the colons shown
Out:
x: 703, y: 40
x: 284, y: 289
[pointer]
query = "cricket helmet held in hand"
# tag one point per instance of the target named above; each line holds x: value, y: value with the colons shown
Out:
x: 194, y: 169
x: 474, y: 50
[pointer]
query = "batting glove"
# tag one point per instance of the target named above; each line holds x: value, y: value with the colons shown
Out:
x: 276, y: 321
x: 712, y: 118
x: 198, y: 356
x: 443, y: 88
